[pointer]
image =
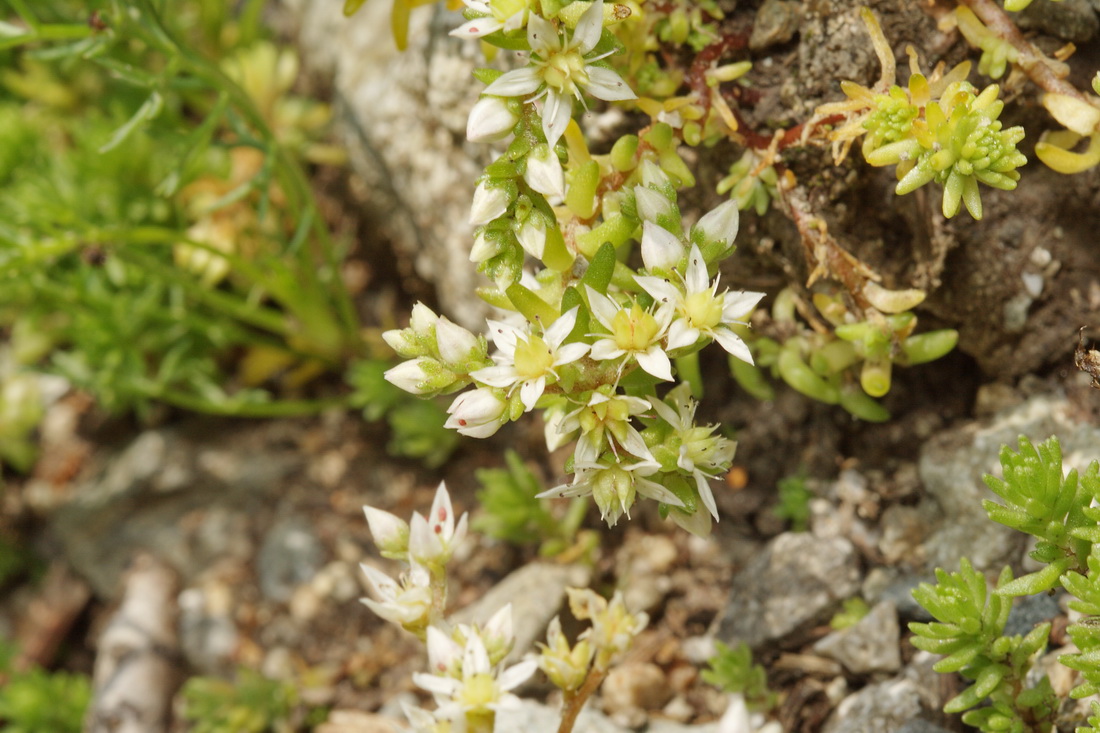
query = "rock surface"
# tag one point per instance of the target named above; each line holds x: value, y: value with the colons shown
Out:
x: 870, y: 645
x: 797, y: 581
x: 952, y: 465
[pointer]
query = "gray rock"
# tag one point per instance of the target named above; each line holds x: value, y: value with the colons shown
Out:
x: 952, y: 465
x: 537, y: 594
x: 871, y: 645
x: 402, y: 117
x: 1030, y: 611
x: 291, y: 555
x: 879, y: 708
x: 899, y: 592
x: 797, y: 581
x: 776, y: 22
x: 183, y: 494
x: 1072, y: 20
x: 920, y: 725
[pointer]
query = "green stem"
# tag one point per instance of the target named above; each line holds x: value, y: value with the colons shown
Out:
x: 687, y: 368
x: 264, y: 318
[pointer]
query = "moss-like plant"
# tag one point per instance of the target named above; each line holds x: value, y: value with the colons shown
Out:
x: 731, y: 669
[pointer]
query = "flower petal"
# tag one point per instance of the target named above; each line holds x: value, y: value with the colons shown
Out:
x: 654, y: 490
x: 556, y: 114
x: 655, y: 361
x: 530, y: 392
x: 516, y: 83
x: 607, y: 85
x: 561, y: 328
x: 681, y: 334
x: 739, y: 305
x: 660, y: 247
x: 702, y: 485
x: 496, y: 376
x: 589, y: 28
x: 696, y: 279
x: 602, y: 307
x: 542, y: 36
x: 477, y: 28
x: 733, y: 344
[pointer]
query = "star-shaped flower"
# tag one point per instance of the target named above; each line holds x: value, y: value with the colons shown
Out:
x: 701, y: 453
x: 635, y: 333
x: 562, y: 65
x: 700, y: 310
x: 615, y: 487
x: 530, y: 361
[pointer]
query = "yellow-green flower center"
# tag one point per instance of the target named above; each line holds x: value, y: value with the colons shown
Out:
x: 702, y: 310
x: 533, y: 358
x: 634, y: 329
x: 564, y: 70
x: 478, y: 692
x: 504, y: 9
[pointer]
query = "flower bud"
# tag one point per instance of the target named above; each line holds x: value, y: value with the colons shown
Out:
x: 456, y: 345
x: 485, y: 248
x: 651, y: 204
x: 720, y: 224
x: 532, y: 236
x: 653, y: 175
x: 404, y: 342
x: 660, y: 249
x: 491, y: 119
x: 416, y: 376
x: 391, y: 534
x: 478, y: 413
x: 567, y: 667
x: 422, y: 319
x: 544, y: 172
x: 489, y: 203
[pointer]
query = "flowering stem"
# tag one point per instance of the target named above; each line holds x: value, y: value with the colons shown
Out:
x: 575, y: 700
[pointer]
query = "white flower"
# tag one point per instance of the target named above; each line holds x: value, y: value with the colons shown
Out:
x: 614, y: 488
x: 651, y: 204
x: 532, y: 235
x: 613, y: 625
x: 456, y: 345
x: 544, y: 172
x: 635, y: 333
x: 720, y: 224
x: 407, y: 604
x: 478, y: 413
x: 421, y: 720
x: 433, y: 539
x: 485, y: 248
x: 490, y: 202
x: 498, y: 635
x: 476, y: 688
x: 700, y: 310
x: 660, y: 248
x: 507, y: 15
x: 653, y: 176
x: 530, y: 361
x: 606, y: 416
x: 701, y: 454
x: 416, y: 376
x: 565, y: 665
x: 391, y: 533
x: 491, y: 119
x: 561, y: 67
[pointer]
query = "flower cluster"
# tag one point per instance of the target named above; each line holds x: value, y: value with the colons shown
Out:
x: 468, y: 676
x: 582, y: 336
